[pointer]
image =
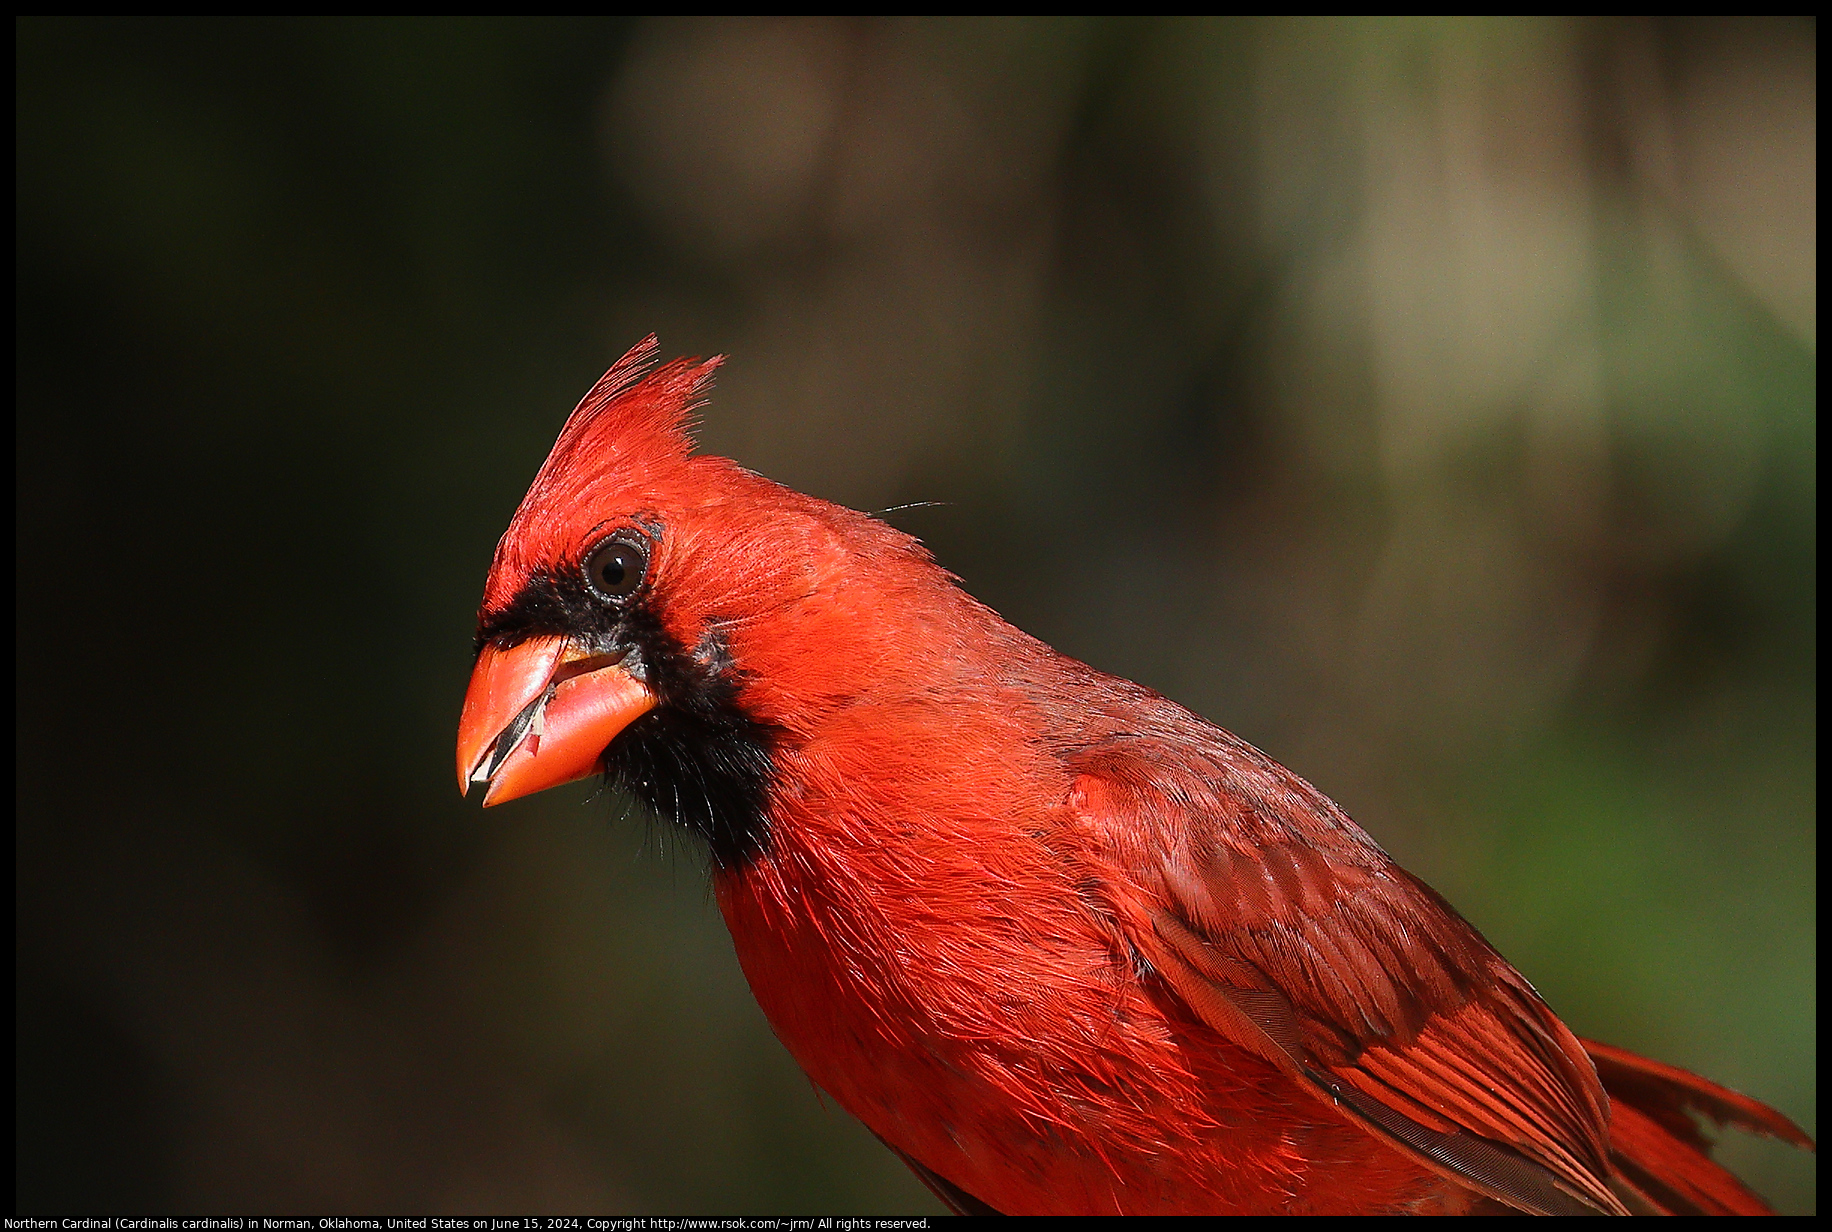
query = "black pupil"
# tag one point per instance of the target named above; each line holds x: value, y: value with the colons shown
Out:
x: 616, y: 568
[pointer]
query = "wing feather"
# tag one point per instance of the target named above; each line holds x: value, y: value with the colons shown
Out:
x: 1288, y: 930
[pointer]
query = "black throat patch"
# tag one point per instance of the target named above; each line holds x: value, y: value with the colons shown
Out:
x: 697, y: 759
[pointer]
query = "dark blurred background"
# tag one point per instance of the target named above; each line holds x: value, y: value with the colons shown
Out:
x: 1431, y: 402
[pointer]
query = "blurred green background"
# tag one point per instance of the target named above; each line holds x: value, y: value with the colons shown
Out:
x: 1430, y: 402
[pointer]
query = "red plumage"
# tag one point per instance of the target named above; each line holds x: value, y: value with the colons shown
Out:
x: 1062, y: 944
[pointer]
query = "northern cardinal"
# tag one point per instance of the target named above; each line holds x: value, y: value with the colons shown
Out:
x: 1063, y: 945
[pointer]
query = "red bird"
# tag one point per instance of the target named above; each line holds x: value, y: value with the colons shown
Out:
x: 1063, y: 945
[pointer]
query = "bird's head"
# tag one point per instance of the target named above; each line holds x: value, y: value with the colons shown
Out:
x: 667, y: 617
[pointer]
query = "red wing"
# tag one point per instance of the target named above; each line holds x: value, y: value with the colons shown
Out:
x: 1287, y: 929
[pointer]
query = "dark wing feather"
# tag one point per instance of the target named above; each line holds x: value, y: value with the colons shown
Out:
x: 1287, y: 929
x: 953, y: 1196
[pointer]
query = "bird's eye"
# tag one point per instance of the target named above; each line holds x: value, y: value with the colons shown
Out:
x: 614, y: 569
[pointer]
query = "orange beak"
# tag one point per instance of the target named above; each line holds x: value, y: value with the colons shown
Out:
x: 541, y: 714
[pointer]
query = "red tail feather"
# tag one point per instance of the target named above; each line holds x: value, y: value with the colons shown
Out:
x: 1658, y: 1153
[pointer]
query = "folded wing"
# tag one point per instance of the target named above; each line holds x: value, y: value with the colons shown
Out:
x: 1288, y: 930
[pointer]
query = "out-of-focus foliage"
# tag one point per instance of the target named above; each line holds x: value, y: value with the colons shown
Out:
x: 1431, y: 402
